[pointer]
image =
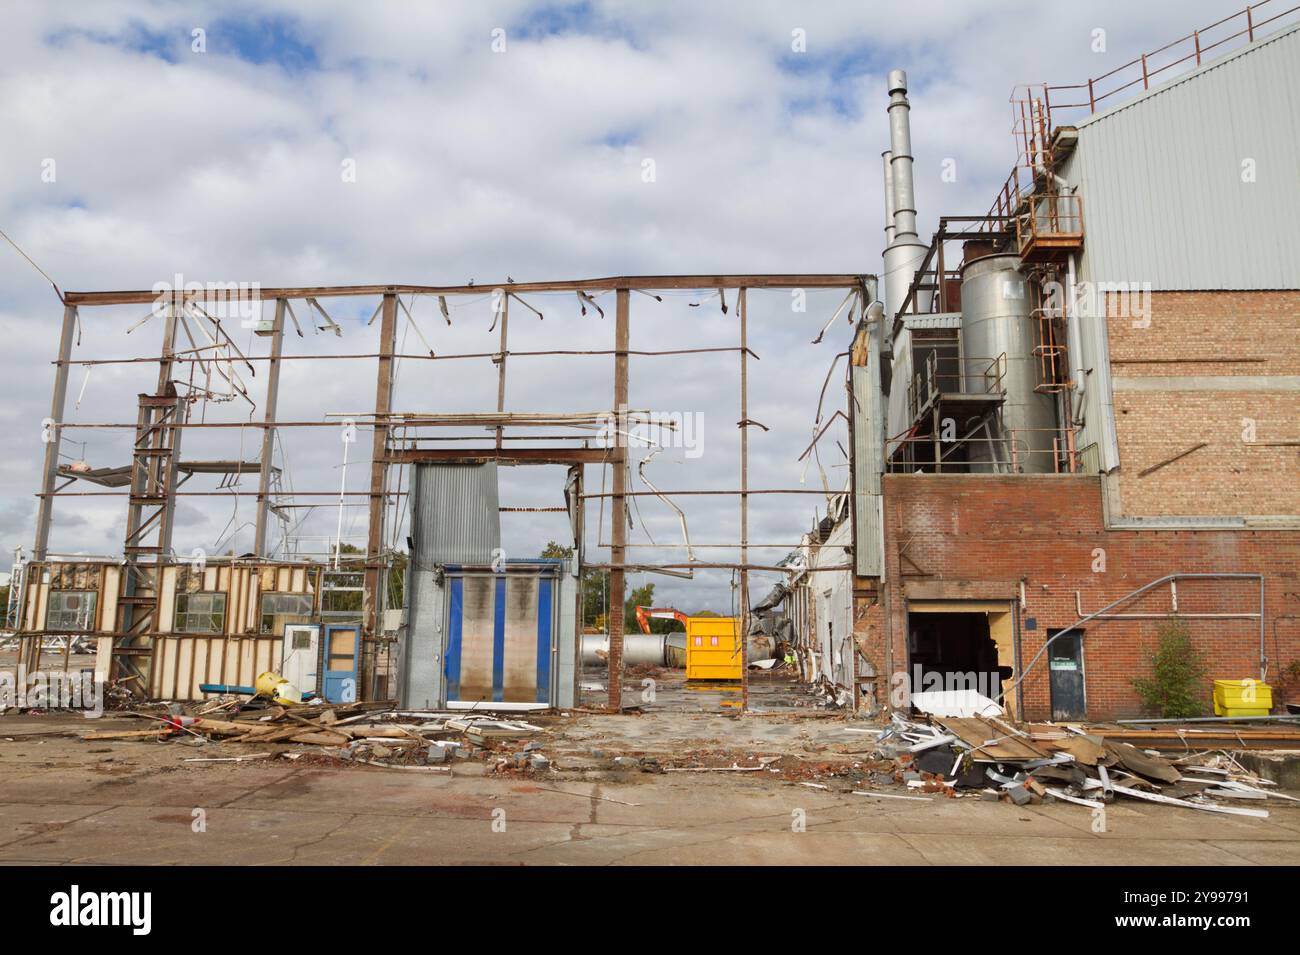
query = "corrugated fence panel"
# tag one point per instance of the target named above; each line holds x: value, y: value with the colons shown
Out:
x: 454, y: 514
x: 1196, y: 185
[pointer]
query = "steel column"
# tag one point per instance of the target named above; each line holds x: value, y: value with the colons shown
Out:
x: 268, y: 433
x: 618, y: 515
x: 54, y: 436
x: 374, y: 575
x: 501, y: 361
x: 741, y: 309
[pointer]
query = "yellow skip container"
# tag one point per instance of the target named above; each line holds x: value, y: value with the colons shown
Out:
x: 713, y: 648
x: 1242, y: 698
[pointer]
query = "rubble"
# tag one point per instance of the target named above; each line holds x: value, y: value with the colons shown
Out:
x: 371, y: 734
x: 992, y: 758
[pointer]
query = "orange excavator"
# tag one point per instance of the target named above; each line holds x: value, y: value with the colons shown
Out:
x: 643, y: 615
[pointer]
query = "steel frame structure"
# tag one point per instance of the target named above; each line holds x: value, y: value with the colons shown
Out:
x: 154, y: 492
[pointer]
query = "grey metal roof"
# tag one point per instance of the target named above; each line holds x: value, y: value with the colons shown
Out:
x: 932, y: 320
x: 1161, y: 177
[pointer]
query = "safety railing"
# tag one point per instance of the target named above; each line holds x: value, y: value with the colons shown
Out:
x: 983, y: 450
x: 1049, y: 222
x: 928, y: 384
x: 1038, y: 110
x: 1187, y: 52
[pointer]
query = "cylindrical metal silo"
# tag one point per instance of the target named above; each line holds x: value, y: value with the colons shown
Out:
x: 997, y: 321
x: 639, y: 649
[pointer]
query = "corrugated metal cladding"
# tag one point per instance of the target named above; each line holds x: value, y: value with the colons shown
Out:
x: 455, y: 518
x: 1161, y: 177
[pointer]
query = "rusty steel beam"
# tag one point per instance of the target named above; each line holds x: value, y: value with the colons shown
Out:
x: 53, y: 435
x: 814, y: 280
x: 374, y: 576
x: 501, y: 363
x: 268, y: 433
x: 741, y: 307
x: 506, y: 455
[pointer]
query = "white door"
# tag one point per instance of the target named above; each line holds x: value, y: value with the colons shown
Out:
x: 301, y: 653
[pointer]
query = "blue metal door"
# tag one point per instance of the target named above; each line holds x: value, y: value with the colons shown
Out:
x: 500, y: 638
x: 342, y: 648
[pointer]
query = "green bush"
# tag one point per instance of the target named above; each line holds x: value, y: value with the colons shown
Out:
x: 1176, y: 687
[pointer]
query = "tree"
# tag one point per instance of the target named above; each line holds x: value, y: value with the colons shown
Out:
x: 595, y: 597
x: 594, y: 587
x: 1175, y: 689
x: 644, y: 596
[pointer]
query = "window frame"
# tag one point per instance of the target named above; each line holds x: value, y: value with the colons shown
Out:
x: 91, y: 621
x: 182, y: 600
x: 310, y: 598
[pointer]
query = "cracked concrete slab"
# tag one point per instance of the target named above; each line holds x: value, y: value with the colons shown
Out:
x: 73, y: 806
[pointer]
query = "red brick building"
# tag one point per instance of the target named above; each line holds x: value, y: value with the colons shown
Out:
x: 1082, y: 411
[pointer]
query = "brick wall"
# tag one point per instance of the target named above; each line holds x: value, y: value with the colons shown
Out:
x: 987, y: 532
x: 1253, y: 335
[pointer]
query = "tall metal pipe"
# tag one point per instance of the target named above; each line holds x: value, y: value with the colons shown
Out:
x: 900, y: 148
x: 905, y: 251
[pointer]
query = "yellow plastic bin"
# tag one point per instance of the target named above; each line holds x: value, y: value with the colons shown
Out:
x: 1242, y: 698
x: 713, y: 648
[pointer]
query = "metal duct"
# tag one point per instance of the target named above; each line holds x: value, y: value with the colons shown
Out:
x: 905, y: 251
x: 996, y: 321
x: 639, y: 649
x: 660, y: 649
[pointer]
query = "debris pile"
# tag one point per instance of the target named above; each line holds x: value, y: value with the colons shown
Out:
x: 372, y: 734
x: 1036, y: 763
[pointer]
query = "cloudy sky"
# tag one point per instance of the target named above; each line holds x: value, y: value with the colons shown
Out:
x: 310, y: 143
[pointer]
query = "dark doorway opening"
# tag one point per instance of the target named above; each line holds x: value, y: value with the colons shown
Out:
x: 957, y: 649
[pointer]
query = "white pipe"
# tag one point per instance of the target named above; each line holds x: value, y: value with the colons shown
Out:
x: 1078, y: 606
x: 1074, y: 343
x: 887, y: 158
x: 343, y: 494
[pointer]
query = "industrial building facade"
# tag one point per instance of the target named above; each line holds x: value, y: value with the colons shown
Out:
x: 1090, y: 423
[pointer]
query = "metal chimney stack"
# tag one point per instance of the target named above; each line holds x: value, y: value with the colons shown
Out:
x: 905, y: 251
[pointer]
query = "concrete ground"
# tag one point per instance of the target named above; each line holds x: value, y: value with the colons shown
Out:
x: 665, y: 689
x: 68, y: 801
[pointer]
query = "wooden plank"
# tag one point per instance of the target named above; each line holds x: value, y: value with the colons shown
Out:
x: 976, y: 733
x: 1138, y: 762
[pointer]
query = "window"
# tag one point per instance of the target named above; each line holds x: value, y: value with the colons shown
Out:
x: 281, y: 609
x: 72, y: 610
x: 200, y: 613
x: 341, y: 596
